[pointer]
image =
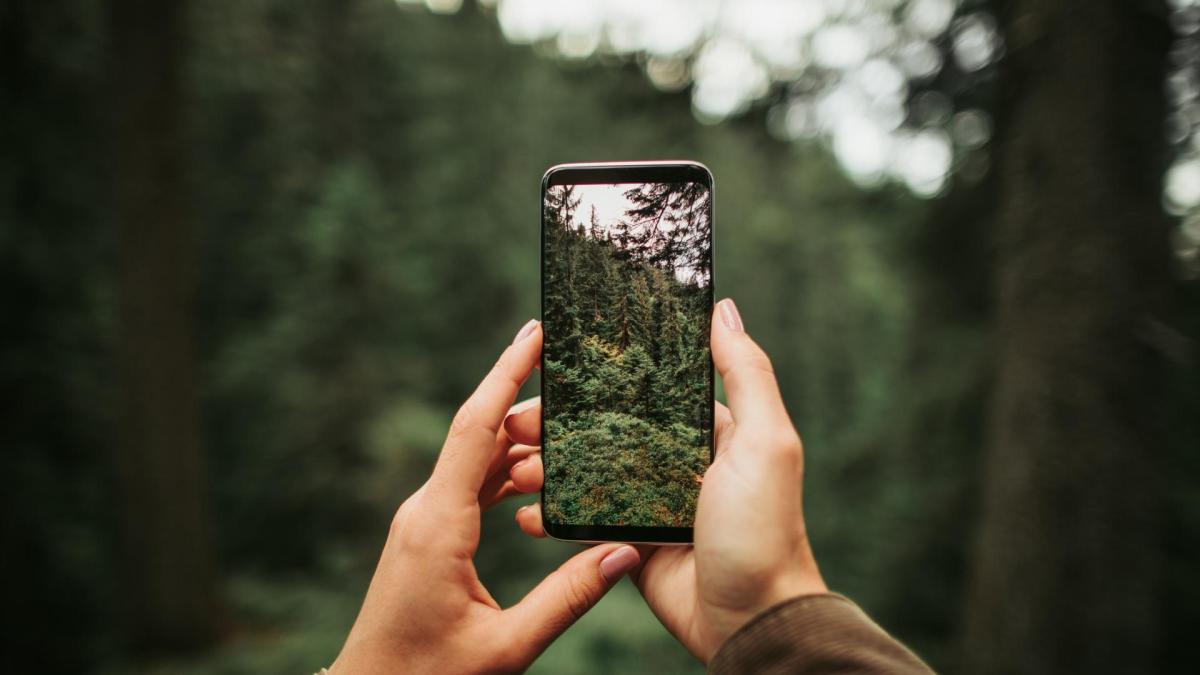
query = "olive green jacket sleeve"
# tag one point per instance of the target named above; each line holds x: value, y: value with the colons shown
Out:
x: 824, y: 633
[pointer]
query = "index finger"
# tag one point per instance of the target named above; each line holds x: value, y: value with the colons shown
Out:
x: 467, y: 453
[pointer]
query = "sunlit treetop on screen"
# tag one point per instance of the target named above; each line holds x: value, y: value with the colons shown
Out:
x: 665, y: 225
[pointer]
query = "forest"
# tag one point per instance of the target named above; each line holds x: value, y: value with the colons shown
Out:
x: 627, y: 371
x: 217, y: 398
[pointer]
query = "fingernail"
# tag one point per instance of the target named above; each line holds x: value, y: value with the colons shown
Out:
x: 730, y: 316
x: 618, y: 562
x: 523, y: 406
x: 525, y: 330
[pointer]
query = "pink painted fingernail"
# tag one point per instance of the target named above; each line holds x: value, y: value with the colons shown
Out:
x: 730, y: 316
x: 618, y: 562
x: 525, y: 331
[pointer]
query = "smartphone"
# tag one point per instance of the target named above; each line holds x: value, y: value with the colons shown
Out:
x: 627, y: 373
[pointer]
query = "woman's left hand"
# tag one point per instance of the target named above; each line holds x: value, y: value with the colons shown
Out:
x: 426, y: 609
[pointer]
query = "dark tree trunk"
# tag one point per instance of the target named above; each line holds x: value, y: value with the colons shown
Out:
x: 166, y: 547
x: 1066, y: 572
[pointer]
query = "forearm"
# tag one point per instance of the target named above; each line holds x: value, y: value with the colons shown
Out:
x: 823, y: 633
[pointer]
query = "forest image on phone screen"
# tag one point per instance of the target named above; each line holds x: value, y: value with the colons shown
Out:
x: 627, y: 389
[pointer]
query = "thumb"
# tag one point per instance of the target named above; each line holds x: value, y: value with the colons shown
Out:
x: 569, y: 592
x: 746, y: 370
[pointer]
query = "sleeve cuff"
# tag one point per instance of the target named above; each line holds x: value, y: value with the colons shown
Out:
x: 822, y: 633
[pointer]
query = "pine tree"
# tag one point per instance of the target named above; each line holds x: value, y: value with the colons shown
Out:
x: 627, y: 364
x: 669, y: 227
x: 640, y: 312
x: 561, y: 202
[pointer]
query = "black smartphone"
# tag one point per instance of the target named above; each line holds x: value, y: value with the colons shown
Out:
x: 627, y: 373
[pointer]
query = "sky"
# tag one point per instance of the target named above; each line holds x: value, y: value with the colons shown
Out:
x: 609, y: 200
x: 611, y: 205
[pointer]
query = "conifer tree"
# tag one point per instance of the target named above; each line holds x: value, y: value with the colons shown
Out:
x: 640, y: 311
x: 668, y: 227
x: 627, y: 364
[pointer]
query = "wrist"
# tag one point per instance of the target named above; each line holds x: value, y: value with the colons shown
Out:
x: 800, y: 579
x: 803, y: 580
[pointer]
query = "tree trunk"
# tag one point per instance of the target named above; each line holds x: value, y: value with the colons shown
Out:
x: 166, y: 545
x: 1066, y: 572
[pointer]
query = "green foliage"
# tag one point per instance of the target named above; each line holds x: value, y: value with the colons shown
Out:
x: 612, y: 468
x: 627, y: 395
x: 365, y: 200
x: 367, y: 242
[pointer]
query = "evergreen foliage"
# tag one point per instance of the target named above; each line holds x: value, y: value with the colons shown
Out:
x: 628, y: 397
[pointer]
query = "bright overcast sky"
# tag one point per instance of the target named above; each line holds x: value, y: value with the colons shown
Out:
x: 611, y: 205
x: 609, y: 200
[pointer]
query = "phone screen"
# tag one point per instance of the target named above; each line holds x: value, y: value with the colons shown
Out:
x: 627, y: 379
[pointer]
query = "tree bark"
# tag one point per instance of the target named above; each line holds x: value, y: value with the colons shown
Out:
x: 167, y: 557
x: 1066, y: 574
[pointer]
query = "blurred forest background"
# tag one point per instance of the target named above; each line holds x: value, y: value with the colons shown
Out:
x: 254, y: 253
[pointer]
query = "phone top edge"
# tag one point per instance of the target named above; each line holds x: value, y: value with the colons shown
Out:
x: 631, y: 163
x: 611, y: 169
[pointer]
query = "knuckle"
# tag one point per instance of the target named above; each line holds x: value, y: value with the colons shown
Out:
x: 509, y: 375
x: 755, y: 367
x: 396, y: 529
x: 788, y: 441
x: 784, y: 445
x: 402, y: 527
x: 505, y: 370
x: 760, y: 362
x: 464, y: 419
x: 403, y: 514
x: 410, y: 526
x: 577, y: 597
x: 501, y: 366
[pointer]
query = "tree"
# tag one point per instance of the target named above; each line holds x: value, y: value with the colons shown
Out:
x: 167, y: 556
x: 624, y: 395
x: 1067, y: 570
x: 668, y: 226
x: 561, y: 203
x: 640, y: 310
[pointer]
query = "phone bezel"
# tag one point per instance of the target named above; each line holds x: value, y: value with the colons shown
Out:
x: 627, y: 172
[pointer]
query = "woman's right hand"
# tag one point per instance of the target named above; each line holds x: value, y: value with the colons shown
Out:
x: 751, y: 547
